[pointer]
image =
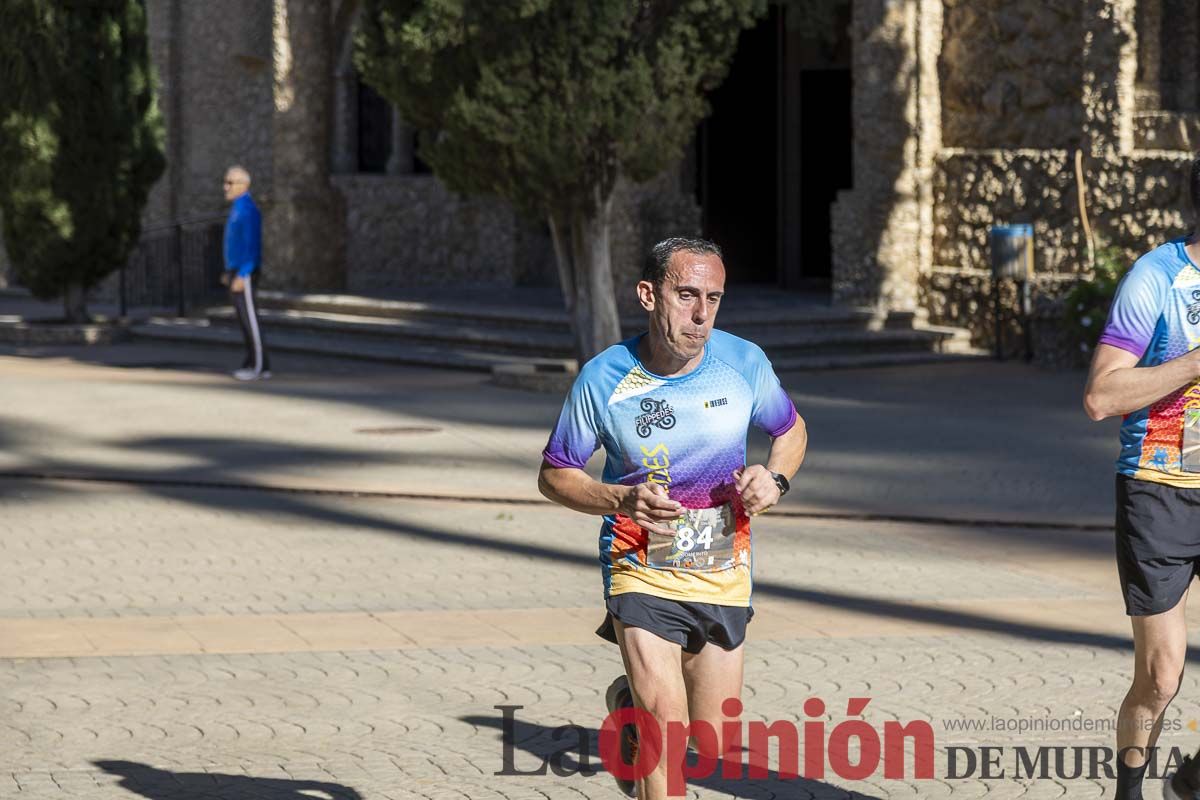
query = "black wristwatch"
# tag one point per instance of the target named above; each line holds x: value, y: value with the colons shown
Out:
x: 782, y: 483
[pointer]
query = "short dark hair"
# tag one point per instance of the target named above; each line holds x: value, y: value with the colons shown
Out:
x: 1195, y: 184
x: 655, y: 268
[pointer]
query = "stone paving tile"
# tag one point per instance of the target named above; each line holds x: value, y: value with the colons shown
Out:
x: 422, y: 722
x: 396, y: 719
x: 95, y: 550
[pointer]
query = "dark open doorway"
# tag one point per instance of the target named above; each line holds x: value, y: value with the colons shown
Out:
x: 777, y: 147
x: 737, y: 159
x: 825, y: 153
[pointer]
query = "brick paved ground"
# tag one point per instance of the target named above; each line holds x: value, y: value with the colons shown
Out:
x: 189, y: 642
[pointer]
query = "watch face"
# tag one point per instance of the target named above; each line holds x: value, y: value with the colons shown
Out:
x: 781, y: 482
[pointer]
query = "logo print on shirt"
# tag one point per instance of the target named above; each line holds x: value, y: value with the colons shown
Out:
x: 1193, y: 308
x: 658, y: 414
x: 720, y: 401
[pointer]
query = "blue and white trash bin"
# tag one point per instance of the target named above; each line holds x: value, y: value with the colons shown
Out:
x: 1012, y: 259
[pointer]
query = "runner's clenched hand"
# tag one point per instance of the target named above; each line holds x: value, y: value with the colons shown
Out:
x: 757, y: 488
x: 647, y: 504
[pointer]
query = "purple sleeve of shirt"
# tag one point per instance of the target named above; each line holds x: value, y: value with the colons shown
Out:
x: 1137, y: 308
x: 773, y: 411
x: 576, y: 436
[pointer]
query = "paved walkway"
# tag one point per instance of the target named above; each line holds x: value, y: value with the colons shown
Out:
x: 1012, y: 440
x: 185, y: 628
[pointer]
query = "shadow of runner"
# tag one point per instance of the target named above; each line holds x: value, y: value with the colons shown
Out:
x: 161, y: 784
x: 574, y: 750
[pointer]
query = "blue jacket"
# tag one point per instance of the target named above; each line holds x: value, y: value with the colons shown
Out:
x: 243, y: 237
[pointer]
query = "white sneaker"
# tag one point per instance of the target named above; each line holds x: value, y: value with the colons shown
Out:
x: 248, y: 374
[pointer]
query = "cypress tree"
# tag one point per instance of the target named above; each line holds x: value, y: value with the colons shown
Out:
x: 546, y: 102
x: 81, y: 140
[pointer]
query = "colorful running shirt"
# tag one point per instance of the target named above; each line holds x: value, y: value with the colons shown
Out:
x: 687, y: 433
x: 1156, y: 316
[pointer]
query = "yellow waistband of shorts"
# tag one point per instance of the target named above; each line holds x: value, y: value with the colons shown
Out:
x: 1180, y: 480
x: 727, y: 587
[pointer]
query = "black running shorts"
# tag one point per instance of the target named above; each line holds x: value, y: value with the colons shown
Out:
x: 1158, y: 543
x: 689, y: 625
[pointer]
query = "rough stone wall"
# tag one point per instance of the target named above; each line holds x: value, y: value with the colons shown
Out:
x: 1133, y: 204
x: 158, y: 28
x: 1166, y: 130
x: 1010, y: 73
x: 225, y: 103
x: 1141, y: 201
x: 1135, y: 198
x: 963, y: 298
x: 876, y: 225
x: 644, y: 214
x: 978, y: 188
x: 406, y: 231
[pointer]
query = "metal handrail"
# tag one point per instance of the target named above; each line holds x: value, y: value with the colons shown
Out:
x: 175, y: 258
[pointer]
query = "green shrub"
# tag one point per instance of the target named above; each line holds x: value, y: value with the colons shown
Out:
x: 81, y: 140
x: 1086, y: 305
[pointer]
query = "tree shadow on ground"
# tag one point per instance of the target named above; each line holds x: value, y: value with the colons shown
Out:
x: 161, y: 784
x: 882, y: 441
x: 563, y: 749
x: 314, y: 509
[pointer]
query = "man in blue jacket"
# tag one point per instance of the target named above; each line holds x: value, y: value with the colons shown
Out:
x: 243, y: 254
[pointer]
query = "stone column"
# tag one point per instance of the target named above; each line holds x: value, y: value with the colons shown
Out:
x: 1109, y: 77
x: 929, y: 130
x: 879, y: 224
x: 303, y: 230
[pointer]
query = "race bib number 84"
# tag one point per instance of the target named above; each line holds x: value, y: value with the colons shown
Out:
x: 702, y: 540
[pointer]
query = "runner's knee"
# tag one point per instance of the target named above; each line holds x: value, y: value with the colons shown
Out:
x: 1159, y: 685
x: 663, y: 704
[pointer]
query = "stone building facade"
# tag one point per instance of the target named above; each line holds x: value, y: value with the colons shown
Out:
x: 270, y: 84
x: 964, y: 113
x: 979, y: 111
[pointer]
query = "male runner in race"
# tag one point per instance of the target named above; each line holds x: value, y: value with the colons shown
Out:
x: 671, y: 408
x: 1147, y: 367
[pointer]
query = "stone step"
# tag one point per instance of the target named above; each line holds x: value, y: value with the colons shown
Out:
x: 383, y: 350
x: 872, y: 360
x: 461, y: 335
x: 449, y: 331
x: 371, y: 307
x: 876, y: 348
x: 498, y: 314
x: 781, y: 346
